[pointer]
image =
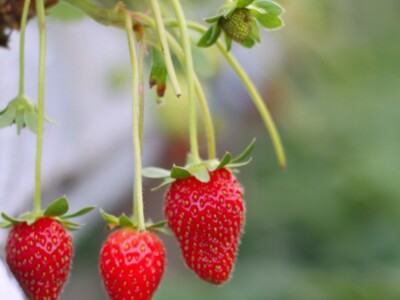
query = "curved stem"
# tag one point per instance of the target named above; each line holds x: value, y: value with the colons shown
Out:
x: 24, y: 19
x: 190, y: 80
x: 142, y: 51
x: 155, y: 7
x: 137, y: 187
x: 254, y: 94
x: 42, y: 75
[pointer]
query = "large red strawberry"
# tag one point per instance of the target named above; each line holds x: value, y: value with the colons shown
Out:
x: 132, y: 264
x: 39, y: 256
x: 207, y: 219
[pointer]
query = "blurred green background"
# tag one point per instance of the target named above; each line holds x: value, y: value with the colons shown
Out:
x: 329, y: 226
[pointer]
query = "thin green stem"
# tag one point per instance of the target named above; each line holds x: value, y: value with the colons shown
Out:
x: 194, y: 148
x: 42, y: 74
x: 161, y: 32
x: 137, y: 187
x: 24, y: 19
x: 254, y: 94
x: 142, y: 51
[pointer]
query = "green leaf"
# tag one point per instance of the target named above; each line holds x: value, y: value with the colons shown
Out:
x: 268, y: 21
x: 210, y: 36
x: 160, y: 224
x: 158, y: 72
x: 31, y: 120
x: 269, y: 7
x: 65, y: 12
x: 11, y: 220
x: 179, y: 173
x: 201, y: 173
x: 240, y: 164
x: 58, y: 208
x: 80, y: 212
x: 228, y: 42
x: 224, y: 161
x: 248, y: 43
x: 70, y: 225
x: 164, y: 183
x: 7, y: 117
x: 163, y: 230
x: 245, y: 154
x: 255, y: 32
x: 110, y: 219
x: 5, y: 224
x: 125, y: 221
x: 243, y: 3
x: 153, y: 172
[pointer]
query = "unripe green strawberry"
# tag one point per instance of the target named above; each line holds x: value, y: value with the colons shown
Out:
x: 39, y: 256
x: 238, y: 25
x: 207, y: 220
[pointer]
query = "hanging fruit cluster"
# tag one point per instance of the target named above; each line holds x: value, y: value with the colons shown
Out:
x: 203, y: 205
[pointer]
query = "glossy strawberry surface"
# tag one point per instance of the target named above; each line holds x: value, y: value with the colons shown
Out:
x: 132, y: 264
x: 207, y: 219
x: 40, y: 257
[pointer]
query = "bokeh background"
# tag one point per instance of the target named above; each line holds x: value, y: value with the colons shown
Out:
x: 326, y: 228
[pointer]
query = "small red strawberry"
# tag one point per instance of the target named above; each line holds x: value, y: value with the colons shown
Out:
x: 132, y: 264
x: 39, y: 256
x: 207, y: 219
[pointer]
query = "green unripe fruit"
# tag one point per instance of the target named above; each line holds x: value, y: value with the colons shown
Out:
x: 237, y: 26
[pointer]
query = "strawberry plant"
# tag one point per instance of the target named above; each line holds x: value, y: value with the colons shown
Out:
x: 204, y: 203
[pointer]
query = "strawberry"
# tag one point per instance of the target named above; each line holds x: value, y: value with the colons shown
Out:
x: 39, y: 256
x: 238, y: 25
x: 132, y: 264
x: 207, y: 218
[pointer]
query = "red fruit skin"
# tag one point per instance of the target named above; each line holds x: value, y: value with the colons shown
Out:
x: 207, y: 219
x: 39, y: 256
x: 132, y: 264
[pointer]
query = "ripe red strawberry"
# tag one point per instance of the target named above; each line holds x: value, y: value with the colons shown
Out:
x: 207, y: 219
x: 132, y: 264
x: 39, y: 256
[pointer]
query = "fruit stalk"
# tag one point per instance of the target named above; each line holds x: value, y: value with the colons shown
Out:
x: 164, y: 46
x: 24, y: 19
x: 42, y: 69
x: 137, y: 186
x: 190, y: 80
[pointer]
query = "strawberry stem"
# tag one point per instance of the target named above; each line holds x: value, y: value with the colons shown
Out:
x: 190, y: 79
x: 137, y: 187
x: 42, y: 68
x: 155, y: 7
x: 24, y: 19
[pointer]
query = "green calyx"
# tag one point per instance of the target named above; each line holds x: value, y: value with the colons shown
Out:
x: 22, y: 112
x: 240, y: 22
x: 126, y: 222
x: 56, y: 210
x: 199, y: 170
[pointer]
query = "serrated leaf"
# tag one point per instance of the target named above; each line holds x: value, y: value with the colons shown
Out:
x: 153, y: 172
x: 109, y: 218
x: 201, y: 173
x: 164, y: 183
x: 58, y: 208
x: 269, y: 7
x: 224, y: 161
x: 179, y: 173
x: 125, y: 221
x: 269, y: 21
x: 80, y: 212
x: 243, y: 3
x: 245, y: 154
